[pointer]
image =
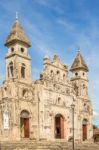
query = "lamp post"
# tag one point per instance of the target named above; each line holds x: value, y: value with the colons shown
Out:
x: 73, y: 106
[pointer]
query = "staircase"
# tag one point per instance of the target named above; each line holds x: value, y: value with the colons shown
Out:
x: 46, y: 145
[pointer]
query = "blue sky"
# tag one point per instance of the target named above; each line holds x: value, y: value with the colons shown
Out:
x: 56, y: 27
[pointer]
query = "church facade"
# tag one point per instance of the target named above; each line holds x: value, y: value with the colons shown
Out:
x: 42, y: 109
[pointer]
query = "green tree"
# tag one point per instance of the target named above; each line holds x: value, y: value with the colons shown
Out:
x: 94, y: 126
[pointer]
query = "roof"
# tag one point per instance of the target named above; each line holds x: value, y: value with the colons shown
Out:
x: 96, y: 131
x: 17, y: 35
x: 79, y: 63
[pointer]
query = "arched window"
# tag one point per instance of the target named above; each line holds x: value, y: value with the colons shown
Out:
x: 12, y: 49
x: 23, y: 71
x: 58, y: 75
x: 59, y: 100
x: 84, y: 86
x: 5, y: 88
x: 58, y: 72
x: 85, y: 107
x: 64, y: 77
x: 24, y: 93
x: 22, y: 49
x: 10, y: 70
x: 52, y: 73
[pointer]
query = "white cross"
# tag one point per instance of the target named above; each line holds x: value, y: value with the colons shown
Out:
x: 16, y: 15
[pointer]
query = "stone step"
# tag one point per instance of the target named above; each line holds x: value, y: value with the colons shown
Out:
x: 31, y: 145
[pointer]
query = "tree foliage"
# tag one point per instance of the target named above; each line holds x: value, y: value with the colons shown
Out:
x: 94, y: 126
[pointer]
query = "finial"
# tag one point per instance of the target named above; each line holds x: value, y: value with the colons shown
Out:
x: 16, y: 15
x: 78, y: 50
x: 46, y: 57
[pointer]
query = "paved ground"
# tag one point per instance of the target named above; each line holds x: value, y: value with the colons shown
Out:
x: 31, y: 145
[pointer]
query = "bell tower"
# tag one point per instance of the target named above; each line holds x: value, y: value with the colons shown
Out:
x: 18, y: 62
x: 79, y: 78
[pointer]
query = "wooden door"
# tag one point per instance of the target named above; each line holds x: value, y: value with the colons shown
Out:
x: 26, y: 127
x: 84, y: 132
x: 62, y: 127
x: 57, y: 127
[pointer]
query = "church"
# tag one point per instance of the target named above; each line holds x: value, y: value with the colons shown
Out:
x: 42, y: 109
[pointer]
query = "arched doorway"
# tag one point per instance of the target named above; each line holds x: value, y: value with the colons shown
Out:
x: 84, y: 129
x: 59, y: 126
x: 24, y: 124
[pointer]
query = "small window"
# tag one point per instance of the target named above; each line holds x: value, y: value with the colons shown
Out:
x: 23, y: 72
x: 24, y: 92
x: 84, y: 86
x: 22, y: 50
x: 57, y: 72
x: 84, y: 104
x: 83, y: 73
x: 51, y: 71
x: 5, y: 88
x: 76, y: 74
x: 59, y: 99
x: 11, y: 69
x: 12, y: 49
x: 64, y: 76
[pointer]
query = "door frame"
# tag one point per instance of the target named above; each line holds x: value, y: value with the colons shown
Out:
x: 24, y: 124
x: 59, y: 127
x: 84, y: 129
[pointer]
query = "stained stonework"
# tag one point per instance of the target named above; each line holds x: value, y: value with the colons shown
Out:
x: 41, y: 109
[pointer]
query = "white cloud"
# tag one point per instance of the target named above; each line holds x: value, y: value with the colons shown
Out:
x: 51, y: 4
x: 95, y: 115
x: 36, y: 37
x: 68, y: 26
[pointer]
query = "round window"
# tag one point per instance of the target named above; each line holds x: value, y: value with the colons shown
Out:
x: 76, y: 74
